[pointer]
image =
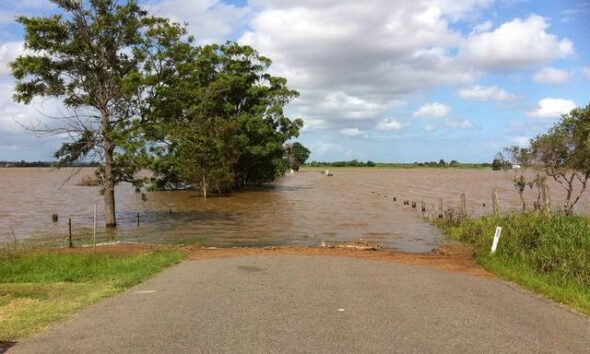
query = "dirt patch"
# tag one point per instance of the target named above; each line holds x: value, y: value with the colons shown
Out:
x: 455, y: 258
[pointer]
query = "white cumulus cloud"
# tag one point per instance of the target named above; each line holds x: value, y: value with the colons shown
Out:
x: 450, y: 124
x: 459, y: 124
x: 208, y: 20
x: 8, y: 52
x: 390, y: 124
x: 485, y: 93
x: 433, y: 110
x: 366, y: 55
x: 354, y: 132
x: 552, y: 108
x: 551, y: 75
x: 517, y: 44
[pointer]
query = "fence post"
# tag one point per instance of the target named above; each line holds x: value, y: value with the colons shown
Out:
x: 70, y: 243
x: 463, y: 206
x: 495, y: 203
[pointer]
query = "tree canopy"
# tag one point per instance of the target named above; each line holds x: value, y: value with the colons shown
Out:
x: 232, y: 107
x: 88, y: 56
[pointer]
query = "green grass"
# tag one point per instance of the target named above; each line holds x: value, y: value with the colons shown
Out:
x: 549, y: 255
x: 40, y: 287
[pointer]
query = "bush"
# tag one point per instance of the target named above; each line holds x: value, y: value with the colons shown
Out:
x: 556, y: 245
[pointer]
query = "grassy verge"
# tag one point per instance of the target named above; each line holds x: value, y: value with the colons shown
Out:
x: 43, y: 286
x: 549, y: 255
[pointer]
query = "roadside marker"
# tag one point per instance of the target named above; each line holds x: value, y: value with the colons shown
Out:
x: 496, y: 239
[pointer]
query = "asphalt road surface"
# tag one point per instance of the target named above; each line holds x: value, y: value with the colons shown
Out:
x: 316, y: 305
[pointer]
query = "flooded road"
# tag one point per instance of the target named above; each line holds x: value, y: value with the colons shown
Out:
x: 302, y: 208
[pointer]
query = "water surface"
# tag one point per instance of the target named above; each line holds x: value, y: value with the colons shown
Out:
x: 302, y: 208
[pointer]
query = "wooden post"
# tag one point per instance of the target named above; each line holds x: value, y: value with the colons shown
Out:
x: 463, y: 205
x: 54, y: 217
x: 137, y: 219
x: 94, y: 229
x: 13, y: 235
x: 495, y: 203
x: 70, y: 243
x: 423, y: 206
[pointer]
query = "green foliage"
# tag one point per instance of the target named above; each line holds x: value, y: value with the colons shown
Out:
x: 225, y: 97
x: 297, y: 154
x: 564, y: 152
x: 204, y: 153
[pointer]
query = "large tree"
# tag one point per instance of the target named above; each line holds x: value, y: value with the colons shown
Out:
x: 210, y: 91
x: 91, y: 56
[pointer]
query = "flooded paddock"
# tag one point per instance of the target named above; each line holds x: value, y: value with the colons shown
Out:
x: 302, y: 208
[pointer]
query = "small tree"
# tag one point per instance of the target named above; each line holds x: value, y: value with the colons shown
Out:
x: 296, y: 155
x: 564, y: 152
x: 498, y: 163
x: 522, y: 157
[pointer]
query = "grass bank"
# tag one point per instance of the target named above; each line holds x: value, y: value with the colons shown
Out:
x: 38, y: 287
x: 549, y: 255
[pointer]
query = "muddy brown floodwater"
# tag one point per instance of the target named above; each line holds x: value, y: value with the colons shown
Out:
x: 304, y: 208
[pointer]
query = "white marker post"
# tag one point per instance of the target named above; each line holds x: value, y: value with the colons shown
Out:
x: 496, y: 239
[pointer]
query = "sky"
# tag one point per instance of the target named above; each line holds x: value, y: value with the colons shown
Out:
x: 381, y: 80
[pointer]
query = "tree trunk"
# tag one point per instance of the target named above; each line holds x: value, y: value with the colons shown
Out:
x: 204, y: 187
x: 567, y: 207
x: 109, y: 178
x: 520, y: 194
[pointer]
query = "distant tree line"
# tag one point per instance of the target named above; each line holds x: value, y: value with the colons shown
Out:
x: 23, y: 163
x: 356, y: 163
x: 143, y: 95
x: 351, y: 163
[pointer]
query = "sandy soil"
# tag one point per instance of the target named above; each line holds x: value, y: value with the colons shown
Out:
x: 455, y: 258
